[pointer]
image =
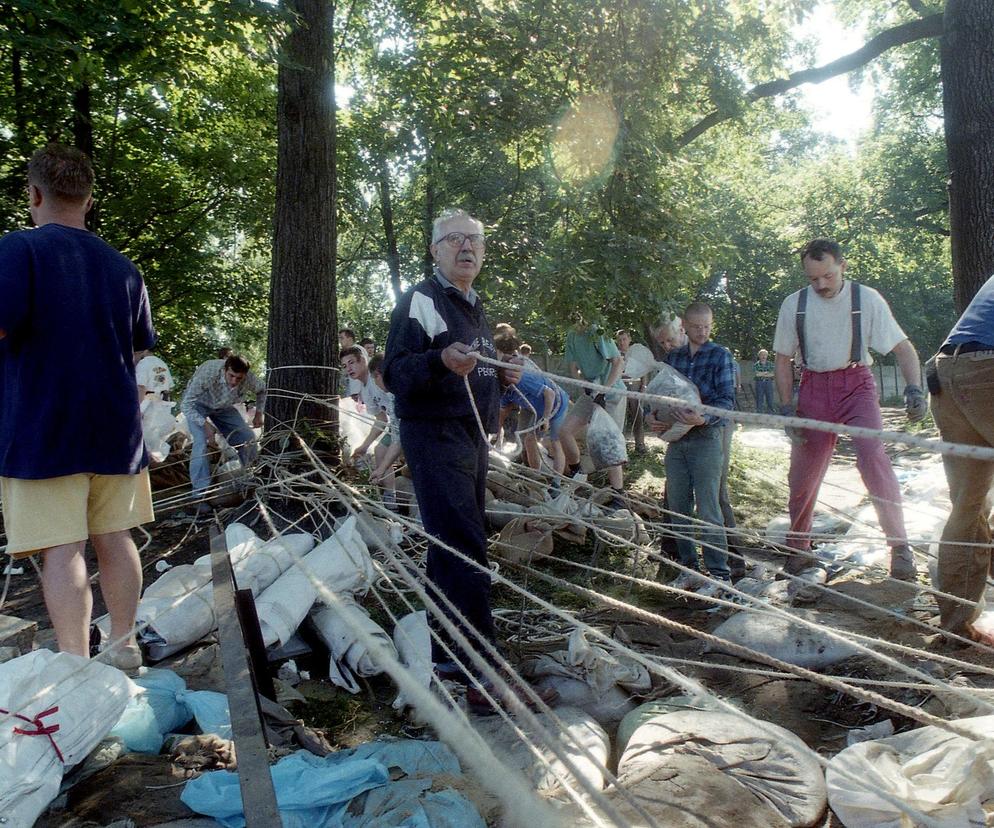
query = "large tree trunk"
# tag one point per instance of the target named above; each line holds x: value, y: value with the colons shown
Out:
x: 303, y: 323
x: 968, y: 107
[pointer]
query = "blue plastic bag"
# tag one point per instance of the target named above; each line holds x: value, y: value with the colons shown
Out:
x: 310, y: 793
x: 210, y: 710
x: 158, y: 710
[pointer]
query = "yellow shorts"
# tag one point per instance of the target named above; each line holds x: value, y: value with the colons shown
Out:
x: 40, y: 514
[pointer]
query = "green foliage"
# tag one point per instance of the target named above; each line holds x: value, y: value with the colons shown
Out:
x: 554, y: 121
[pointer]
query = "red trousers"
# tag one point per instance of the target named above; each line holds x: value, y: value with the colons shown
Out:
x: 847, y: 396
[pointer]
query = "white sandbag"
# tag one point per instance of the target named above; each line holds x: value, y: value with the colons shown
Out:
x: 767, y: 760
x: 608, y: 706
x: 931, y: 770
x: 158, y: 424
x: 284, y: 604
x: 176, y: 610
x: 605, y: 441
x: 353, y: 426
x: 501, y: 512
x: 659, y: 707
x: 785, y: 639
x: 589, y: 677
x: 78, y: 698
x: 639, y: 361
x: 336, y: 627
x: 379, y: 534
x: 669, y: 382
x: 256, y: 564
x: 341, y: 563
x: 680, y: 792
x: 578, y: 732
x: 412, y: 639
x: 345, y: 564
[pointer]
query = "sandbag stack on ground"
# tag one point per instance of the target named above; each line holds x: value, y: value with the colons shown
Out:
x: 177, y: 610
x: 64, y: 705
x: 341, y: 563
x: 782, y: 638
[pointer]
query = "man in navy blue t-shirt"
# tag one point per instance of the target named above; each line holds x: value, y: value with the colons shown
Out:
x: 72, y: 465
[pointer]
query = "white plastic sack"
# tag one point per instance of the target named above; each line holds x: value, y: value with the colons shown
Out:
x: 782, y: 638
x: 349, y: 657
x: 639, y: 361
x: 412, y: 639
x: 256, y: 564
x: 669, y: 382
x: 765, y: 759
x: 341, y: 563
x: 931, y: 770
x: 176, y: 610
x: 158, y: 424
x: 605, y: 441
x: 82, y: 698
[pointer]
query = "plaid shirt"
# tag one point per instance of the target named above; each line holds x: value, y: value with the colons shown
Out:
x: 209, y: 389
x: 711, y: 370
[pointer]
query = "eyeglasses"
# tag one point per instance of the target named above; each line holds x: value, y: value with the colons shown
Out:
x: 476, y: 240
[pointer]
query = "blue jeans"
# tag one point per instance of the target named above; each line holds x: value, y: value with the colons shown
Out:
x: 233, y: 428
x: 693, y: 474
x: 764, y: 397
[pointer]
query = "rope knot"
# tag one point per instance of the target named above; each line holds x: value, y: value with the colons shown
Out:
x: 40, y: 728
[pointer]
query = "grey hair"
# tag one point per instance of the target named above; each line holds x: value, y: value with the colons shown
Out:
x: 671, y: 323
x: 447, y: 215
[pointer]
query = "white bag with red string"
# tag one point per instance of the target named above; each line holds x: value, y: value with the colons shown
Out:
x: 57, y: 708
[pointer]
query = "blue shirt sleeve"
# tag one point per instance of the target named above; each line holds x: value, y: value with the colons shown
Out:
x: 722, y: 383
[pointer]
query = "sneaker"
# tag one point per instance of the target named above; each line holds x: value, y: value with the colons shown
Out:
x: 902, y: 563
x: 686, y: 580
x: 125, y: 657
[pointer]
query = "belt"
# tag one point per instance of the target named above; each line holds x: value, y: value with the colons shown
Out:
x: 949, y: 349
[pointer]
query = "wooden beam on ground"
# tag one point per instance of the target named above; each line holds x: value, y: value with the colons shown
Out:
x: 258, y: 794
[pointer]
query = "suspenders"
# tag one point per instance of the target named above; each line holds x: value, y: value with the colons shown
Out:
x: 856, y: 351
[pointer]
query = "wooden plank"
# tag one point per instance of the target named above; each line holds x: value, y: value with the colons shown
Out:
x: 258, y: 794
x: 255, y: 644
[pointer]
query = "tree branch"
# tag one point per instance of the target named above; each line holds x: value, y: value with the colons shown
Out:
x: 921, y: 29
x: 918, y: 7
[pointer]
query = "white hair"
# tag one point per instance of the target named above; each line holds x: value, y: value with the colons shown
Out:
x: 671, y: 323
x: 447, y: 215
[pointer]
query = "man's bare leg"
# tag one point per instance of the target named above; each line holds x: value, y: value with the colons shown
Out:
x: 68, y: 597
x: 120, y: 581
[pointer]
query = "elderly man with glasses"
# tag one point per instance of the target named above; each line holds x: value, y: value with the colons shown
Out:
x: 436, y: 330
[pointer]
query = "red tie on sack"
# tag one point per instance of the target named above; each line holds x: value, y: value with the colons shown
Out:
x: 41, y: 729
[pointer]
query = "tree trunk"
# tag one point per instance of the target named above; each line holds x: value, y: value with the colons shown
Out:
x: 386, y: 210
x: 428, y: 263
x: 303, y: 322
x: 968, y: 107
x: 82, y: 132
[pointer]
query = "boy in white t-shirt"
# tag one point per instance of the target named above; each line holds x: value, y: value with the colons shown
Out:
x: 379, y: 404
x: 833, y: 323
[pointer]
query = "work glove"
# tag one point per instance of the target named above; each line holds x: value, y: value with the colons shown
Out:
x: 915, y: 403
x: 795, y: 434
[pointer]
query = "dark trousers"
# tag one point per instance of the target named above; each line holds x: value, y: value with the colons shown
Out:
x: 448, y: 464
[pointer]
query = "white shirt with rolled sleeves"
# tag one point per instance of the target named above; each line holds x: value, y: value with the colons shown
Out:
x: 828, y: 328
x: 376, y: 400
